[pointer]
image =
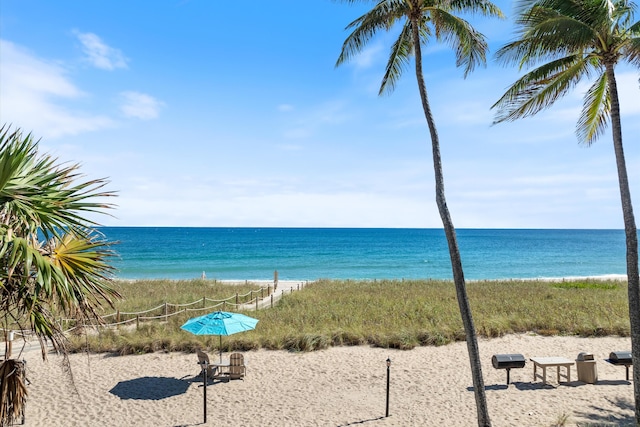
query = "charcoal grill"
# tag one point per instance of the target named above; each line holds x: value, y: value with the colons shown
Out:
x: 508, y: 362
x: 621, y: 358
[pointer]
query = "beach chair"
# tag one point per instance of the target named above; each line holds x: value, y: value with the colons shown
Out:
x: 203, y: 361
x: 236, y: 366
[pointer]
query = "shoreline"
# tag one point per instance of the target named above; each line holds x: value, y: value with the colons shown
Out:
x: 619, y: 277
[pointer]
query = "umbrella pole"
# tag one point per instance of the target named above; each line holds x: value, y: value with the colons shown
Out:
x: 220, y: 349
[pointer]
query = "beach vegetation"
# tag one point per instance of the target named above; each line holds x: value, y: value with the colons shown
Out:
x: 561, y: 43
x: 53, y: 262
x: 587, y: 284
x: 141, y: 295
x: 394, y: 314
x: 420, y: 21
x: 561, y: 421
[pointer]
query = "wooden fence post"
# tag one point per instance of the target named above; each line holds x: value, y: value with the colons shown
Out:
x: 166, y: 312
x: 236, y: 298
x: 137, y: 322
x: 275, y: 280
x: 271, y: 300
x: 117, y: 316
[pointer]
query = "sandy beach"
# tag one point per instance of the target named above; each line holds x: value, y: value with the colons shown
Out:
x: 429, y: 386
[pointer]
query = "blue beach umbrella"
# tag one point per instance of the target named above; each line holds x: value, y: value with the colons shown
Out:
x: 220, y: 323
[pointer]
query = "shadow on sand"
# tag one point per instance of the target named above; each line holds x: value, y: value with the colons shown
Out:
x: 602, y: 417
x: 354, y: 423
x: 150, y: 388
x: 527, y: 386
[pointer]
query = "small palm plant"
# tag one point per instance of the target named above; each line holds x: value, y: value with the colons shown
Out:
x: 53, y: 262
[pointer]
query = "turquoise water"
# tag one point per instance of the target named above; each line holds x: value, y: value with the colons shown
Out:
x: 356, y: 253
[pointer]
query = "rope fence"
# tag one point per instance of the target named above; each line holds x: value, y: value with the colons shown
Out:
x: 253, y: 300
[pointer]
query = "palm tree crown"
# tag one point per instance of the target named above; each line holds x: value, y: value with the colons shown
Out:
x: 52, y: 260
x: 431, y: 19
x: 573, y: 40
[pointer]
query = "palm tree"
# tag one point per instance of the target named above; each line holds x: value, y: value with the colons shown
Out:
x: 53, y: 263
x: 575, y: 40
x: 422, y: 19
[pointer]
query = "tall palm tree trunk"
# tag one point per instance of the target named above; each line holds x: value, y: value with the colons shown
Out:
x: 454, y: 251
x: 631, y: 236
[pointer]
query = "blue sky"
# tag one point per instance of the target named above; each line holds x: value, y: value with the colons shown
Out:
x: 218, y: 114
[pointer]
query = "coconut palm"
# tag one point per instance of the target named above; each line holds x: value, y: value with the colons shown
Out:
x: 420, y: 20
x: 53, y: 263
x: 575, y: 40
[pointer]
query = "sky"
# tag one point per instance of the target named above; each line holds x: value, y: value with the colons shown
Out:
x: 232, y: 114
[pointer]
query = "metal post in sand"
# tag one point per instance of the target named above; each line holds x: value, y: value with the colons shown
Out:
x: 388, y: 371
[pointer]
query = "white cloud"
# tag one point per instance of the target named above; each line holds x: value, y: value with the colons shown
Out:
x: 32, y: 90
x: 139, y: 105
x: 369, y: 56
x: 295, y: 209
x: 99, y: 54
x: 285, y: 107
x: 310, y: 122
x: 298, y: 133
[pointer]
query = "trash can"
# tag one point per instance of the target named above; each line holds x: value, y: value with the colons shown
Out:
x: 587, y: 369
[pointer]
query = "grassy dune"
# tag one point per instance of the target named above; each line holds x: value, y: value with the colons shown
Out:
x: 384, y: 313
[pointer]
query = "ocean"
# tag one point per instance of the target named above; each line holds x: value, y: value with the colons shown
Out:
x: 362, y: 253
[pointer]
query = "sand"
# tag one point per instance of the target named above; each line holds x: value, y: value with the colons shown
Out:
x: 429, y: 386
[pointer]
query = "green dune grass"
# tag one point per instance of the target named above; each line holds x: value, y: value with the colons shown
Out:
x: 398, y: 314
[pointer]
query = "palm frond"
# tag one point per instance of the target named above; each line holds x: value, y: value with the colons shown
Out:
x: 401, y: 52
x: 631, y: 50
x: 482, y: 7
x: 382, y: 17
x: 622, y: 14
x: 469, y: 45
x: 594, y: 117
x: 84, y: 264
x: 551, y: 38
x: 35, y: 193
x: 540, y: 88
